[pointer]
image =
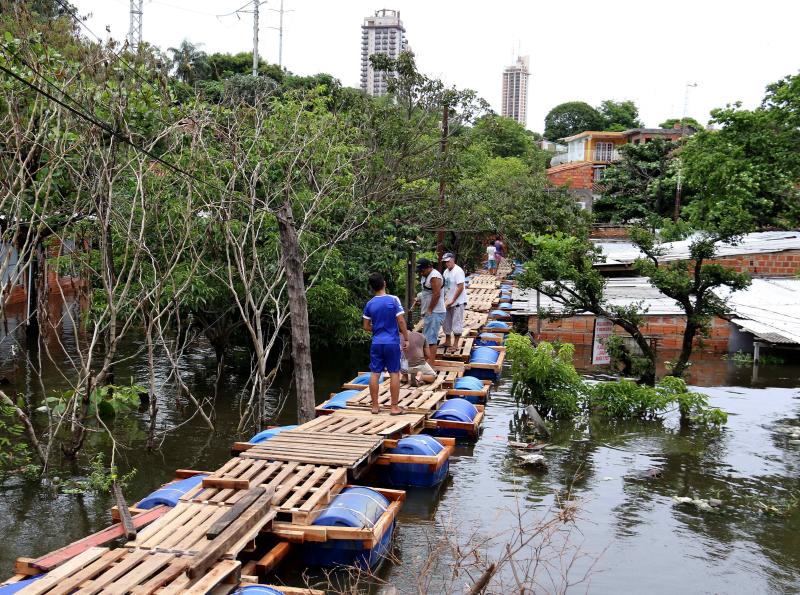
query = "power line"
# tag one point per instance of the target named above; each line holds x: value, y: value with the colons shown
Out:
x: 100, y: 123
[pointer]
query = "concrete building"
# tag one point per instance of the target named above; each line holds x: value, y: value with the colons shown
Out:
x: 382, y: 33
x: 515, y: 91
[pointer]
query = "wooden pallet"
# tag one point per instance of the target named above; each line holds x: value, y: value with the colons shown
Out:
x: 369, y: 536
x: 434, y: 462
x: 497, y: 366
x: 460, y: 353
x: 472, y: 429
x: 359, y: 421
x: 33, y: 566
x: 413, y: 400
x: 482, y: 394
x: 351, y: 451
x: 300, y: 490
x: 138, y: 572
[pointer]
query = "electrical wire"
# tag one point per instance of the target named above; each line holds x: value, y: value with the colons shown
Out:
x: 99, y: 123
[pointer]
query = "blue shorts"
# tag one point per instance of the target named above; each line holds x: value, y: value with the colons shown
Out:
x: 432, y: 323
x: 384, y: 356
x: 491, y: 264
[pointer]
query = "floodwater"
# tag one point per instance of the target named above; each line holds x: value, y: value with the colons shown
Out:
x: 616, y: 479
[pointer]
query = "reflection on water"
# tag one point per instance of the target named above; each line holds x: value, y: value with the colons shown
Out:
x: 623, y: 474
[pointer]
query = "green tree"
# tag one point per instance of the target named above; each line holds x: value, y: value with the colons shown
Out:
x: 562, y: 268
x: 189, y: 62
x: 503, y: 137
x: 691, y: 284
x: 747, y: 173
x: 619, y: 115
x: 688, y: 122
x: 571, y: 118
x: 641, y: 185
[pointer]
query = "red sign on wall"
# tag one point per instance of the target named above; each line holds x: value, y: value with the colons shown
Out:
x: 603, y: 329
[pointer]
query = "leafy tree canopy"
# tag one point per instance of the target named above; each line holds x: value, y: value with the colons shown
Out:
x: 688, y: 122
x: 571, y: 118
x: 619, y: 115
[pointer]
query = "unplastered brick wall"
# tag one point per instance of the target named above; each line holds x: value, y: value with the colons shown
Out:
x: 666, y: 330
x: 770, y: 264
x: 575, y: 176
x: 601, y: 232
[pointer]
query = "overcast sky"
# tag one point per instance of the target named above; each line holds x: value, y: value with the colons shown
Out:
x: 579, y: 50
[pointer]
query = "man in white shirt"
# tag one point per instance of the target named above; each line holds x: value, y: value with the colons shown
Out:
x: 491, y: 264
x: 455, y: 300
x: 432, y: 304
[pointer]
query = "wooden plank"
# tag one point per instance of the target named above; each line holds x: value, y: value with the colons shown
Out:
x: 51, y: 560
x: 238, y: 509
x: 150, y: 565
x: 269, y: 561
x: 166, y: 576
x: 258, y: 514
x: 73, y: 581
x: 226, y: 483
x: 52, y: 579
x: 124, y: 514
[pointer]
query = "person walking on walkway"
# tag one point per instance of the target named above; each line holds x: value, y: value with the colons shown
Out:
x: 384, y: 318
x: 491, y: 263
x: 455, y: 300
x: 432, y: 305
x: 499, y: 253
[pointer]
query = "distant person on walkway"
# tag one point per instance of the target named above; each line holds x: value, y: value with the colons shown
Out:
x: 417, y: 370
x: 499, y: 250
x: 432, y: 305
x: 383, y: 317
x: 455, y: 300
x: 491, y: 263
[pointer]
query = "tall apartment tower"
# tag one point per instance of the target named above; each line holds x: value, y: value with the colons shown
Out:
x: 515, y: 91
x: 380, y: 34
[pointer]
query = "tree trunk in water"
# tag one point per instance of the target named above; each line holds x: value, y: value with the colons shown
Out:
x: 648, y: 376
x: 686, y: 349
x: 298, y: 309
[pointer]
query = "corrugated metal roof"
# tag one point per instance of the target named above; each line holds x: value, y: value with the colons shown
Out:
x: 769, y: 308
x: 623, y: 253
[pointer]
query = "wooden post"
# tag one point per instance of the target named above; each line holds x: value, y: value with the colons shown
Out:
x: 411, y: 265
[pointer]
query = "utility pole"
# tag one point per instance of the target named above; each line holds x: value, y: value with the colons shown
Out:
x: 135, y: 27
x: 255, y: 36
x: 679, y: 186
x: 443, y: 153
x: 280, y: 37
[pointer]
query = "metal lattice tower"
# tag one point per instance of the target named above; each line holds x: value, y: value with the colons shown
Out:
x: 135, y: 29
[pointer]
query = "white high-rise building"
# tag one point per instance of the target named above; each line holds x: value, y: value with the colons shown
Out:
x: 515, y: 91
x: 380, y: 34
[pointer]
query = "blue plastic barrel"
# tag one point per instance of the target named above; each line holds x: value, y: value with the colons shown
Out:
x: 468, y: 383
x: 364, y: 379
x: 353, y: 507
x: 500, y: 313
x: 19, y: 585
x: 456, y: 410
x: 484, y: 355
x: 416, y: 474
x: 506, y: 286
x: 257, y: 590
x: 498, y: 324
x: 264, y: 435
x: 339, y: 400
x: 505, y: 306
x: 171, y: 493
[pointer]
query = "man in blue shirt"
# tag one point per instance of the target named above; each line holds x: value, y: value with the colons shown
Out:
x: 383, y: 317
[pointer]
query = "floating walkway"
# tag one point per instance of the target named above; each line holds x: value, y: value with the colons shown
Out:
x: 290, y: 491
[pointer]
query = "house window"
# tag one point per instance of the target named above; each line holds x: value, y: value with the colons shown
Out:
x: 603, y: 151
x: 597, y: 172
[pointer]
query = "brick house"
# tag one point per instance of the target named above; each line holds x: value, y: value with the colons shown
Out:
x: 589, y: 153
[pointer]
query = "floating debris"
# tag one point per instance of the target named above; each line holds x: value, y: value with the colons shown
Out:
x: 527, y: 445
x: 702, y: 504
x: 790, y: 431
x: 531, y: 460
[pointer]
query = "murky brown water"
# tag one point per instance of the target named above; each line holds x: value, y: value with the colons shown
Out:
x: 637, y: 539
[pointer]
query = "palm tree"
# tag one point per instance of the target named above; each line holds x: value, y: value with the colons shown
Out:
x: 188, y: 61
